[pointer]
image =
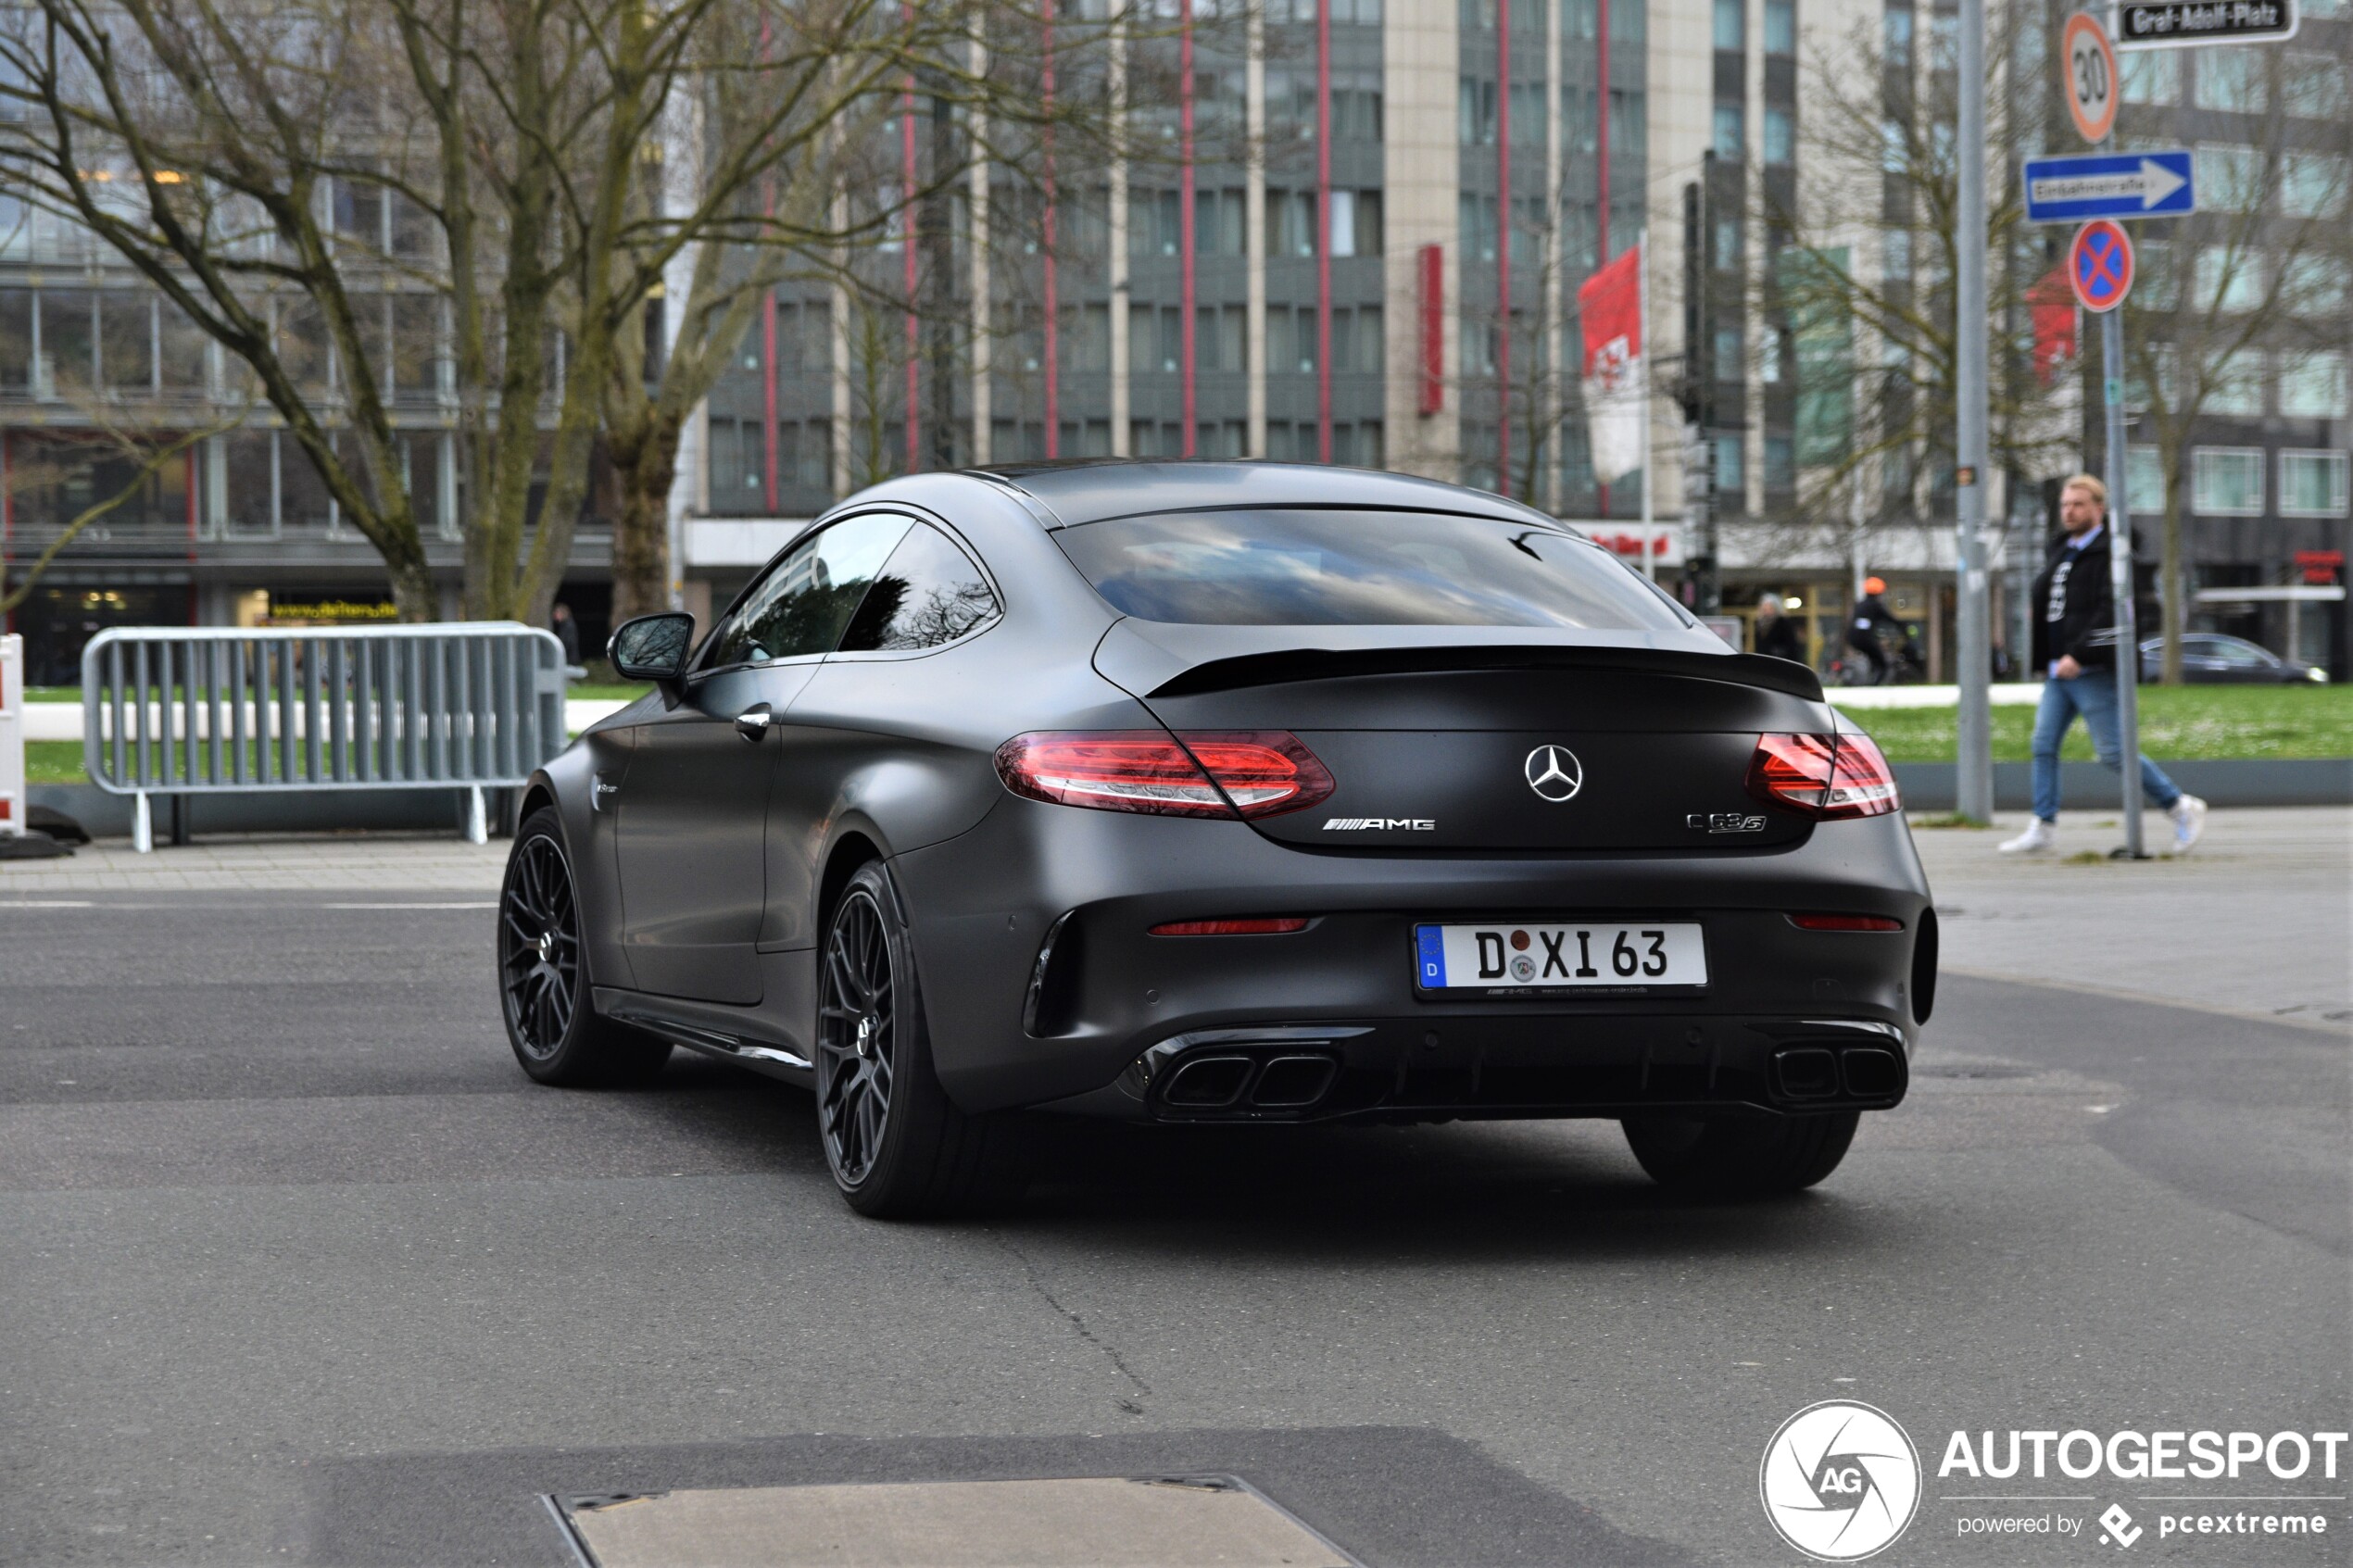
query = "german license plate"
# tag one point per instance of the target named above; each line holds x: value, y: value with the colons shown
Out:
x: 1511, y: 958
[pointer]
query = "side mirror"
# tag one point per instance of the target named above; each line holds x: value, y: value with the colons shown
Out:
x: 653, y: 647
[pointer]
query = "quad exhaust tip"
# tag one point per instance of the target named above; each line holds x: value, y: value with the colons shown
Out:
x: 1817, y: 1073
x: 1219, y: 1080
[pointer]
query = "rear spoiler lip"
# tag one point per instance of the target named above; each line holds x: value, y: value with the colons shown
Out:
x: 1280, y: 666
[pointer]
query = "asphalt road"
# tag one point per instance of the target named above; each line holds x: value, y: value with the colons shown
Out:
x: 295, y: 1266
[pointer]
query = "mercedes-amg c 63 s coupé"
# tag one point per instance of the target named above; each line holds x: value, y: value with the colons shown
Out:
x: 1222, y: 792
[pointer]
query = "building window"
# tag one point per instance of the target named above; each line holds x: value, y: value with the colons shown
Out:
x: 1780, y: 136
x: 2151, y: 75
x: 2228, y: 481
x: 2312, y: 484
x: 2143, y: 481
x: 2312, y: 384
x: 2314, y: 285
x: 2231, y: 80
x: 2312, y: 185
x: 1731, y: 476
x: 1780, y: 27
x: 1781, y: 463
x: 1728, y: 354
x: 2229, y: 278
x: 1895, y: 249
x: 1899, y: 39
x: 1732, y: 25
x: 2230, y: 179
x: 2313, y: 85
x: 2236, y: 387
x: 1730, y: 136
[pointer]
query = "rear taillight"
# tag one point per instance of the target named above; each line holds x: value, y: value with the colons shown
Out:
x: 1845, y: 922
x: 1826, y: 776
x: 1195, y: 773
x: 1278, y: 925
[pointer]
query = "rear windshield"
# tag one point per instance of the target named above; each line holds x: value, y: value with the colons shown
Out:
x: 1359, y: 569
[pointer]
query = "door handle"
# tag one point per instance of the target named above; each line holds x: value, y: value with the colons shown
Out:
x: 753, y: 722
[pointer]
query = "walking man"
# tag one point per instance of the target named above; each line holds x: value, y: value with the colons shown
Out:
x: 2075, y: 649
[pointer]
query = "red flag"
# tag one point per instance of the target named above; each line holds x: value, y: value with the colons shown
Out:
x: 2056, y: 319
x: 1609, y: 306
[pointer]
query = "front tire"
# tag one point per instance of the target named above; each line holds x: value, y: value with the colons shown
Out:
x: 1741, y: 1157
x: 543, y: 973
x: 898, y: 1146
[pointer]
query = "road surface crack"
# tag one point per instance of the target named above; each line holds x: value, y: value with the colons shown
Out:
x: 1045, y: 1293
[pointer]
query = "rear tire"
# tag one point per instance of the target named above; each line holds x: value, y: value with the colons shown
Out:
x: 544, y: 988
x: 898, y: 1146
x: 1741, y: 1157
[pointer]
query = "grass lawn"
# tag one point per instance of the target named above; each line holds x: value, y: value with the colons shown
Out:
x: 2178, y: 723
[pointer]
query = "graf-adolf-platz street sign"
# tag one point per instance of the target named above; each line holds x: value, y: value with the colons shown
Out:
x: 2174, y: 24
x: 2099, y: 266
x: 2086, y: 185
x: 2088, y: 62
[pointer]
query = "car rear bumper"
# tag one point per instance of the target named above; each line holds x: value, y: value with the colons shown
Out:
x: 1109, y: 1020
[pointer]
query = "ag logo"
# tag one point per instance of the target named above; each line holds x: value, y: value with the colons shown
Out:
x: 1840, y: 1481
x: 1554, y: 772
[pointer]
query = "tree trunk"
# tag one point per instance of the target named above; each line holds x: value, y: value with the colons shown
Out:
x: 645, y: 457
x: 2172, y: 572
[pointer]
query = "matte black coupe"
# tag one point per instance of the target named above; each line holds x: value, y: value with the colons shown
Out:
x: 1220, y: 793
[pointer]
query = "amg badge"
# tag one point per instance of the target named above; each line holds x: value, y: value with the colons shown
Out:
x: 1724, y: 821
x: 1377, y: 825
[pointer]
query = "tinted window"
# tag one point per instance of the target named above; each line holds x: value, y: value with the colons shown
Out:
x: 1359, y: 569
x: 806, y: 598
x: 928, y: 592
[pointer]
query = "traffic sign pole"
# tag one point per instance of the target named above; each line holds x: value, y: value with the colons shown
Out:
x: 1973, y: 780
x: 2120, y: 576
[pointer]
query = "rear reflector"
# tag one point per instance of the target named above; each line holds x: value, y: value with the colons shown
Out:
x: 1845, y: 922
x: 1826, y: 776
x: 1255, y: 927
x: 1197, y: 773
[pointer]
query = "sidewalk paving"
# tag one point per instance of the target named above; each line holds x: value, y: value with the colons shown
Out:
x: 2254, y: 921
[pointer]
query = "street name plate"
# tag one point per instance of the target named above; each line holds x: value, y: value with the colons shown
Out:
x: 2178, y: 24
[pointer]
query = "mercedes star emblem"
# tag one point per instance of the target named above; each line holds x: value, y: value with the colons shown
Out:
x: 1554, y: 772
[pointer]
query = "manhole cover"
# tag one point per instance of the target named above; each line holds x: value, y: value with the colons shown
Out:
x: 1091, y: 1522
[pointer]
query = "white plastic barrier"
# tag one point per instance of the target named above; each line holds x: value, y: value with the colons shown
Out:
x: 12, y: 795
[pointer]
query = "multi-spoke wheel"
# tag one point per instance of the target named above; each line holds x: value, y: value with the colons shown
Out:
x: 897, y: 1145
x: 542, y: 972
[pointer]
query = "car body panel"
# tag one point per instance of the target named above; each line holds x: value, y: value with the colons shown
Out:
x: 715, y: 892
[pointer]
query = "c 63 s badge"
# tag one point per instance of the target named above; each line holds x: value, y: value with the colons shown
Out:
x: 1385, y: 825
x: 1724, y: 821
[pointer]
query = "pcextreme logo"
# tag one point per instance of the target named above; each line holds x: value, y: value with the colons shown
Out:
x: 1840, y: 1481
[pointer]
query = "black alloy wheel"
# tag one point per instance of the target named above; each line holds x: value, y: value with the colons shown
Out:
x: 898, y: 1148
x: 543, y: 973
x: 538, y: 947
x: 856, y: 1044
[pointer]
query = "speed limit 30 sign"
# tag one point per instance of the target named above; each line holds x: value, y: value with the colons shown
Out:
x: 2088, y: 61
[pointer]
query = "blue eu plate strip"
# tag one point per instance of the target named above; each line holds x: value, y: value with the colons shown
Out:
x: 1430, y: 965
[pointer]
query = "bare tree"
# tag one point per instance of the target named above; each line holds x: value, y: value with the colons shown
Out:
x: 2260, y: 269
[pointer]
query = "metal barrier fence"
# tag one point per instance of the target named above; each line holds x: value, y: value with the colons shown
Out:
x: 176, y: 711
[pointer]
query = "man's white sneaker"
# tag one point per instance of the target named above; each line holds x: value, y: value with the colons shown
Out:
x: 2039, y: 835
x: 2189, y: 820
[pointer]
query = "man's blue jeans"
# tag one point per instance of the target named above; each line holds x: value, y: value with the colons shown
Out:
x: 2092, y: 693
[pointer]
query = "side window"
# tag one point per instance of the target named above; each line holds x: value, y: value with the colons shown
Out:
x: 928, y: 592
x: 806, y: 598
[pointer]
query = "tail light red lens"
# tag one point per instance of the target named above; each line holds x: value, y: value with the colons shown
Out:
x: 1845, y: 922
x: 1826, y: 776
x: 1280, y: 925
x: 1257, y: 773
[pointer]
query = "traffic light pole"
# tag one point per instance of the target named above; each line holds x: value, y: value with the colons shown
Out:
x: 2120, y: 571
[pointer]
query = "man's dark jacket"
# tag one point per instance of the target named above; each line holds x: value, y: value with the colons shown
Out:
x: 1779, y: 638
x: 2087, y: 624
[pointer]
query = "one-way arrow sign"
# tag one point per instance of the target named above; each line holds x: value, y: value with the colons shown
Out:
x: 2070, y: 190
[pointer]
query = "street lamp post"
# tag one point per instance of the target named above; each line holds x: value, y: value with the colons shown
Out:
x: 1974, y: 786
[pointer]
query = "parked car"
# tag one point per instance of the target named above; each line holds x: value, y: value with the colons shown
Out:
x: 1222, y: 792
x: 2212, y: 659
